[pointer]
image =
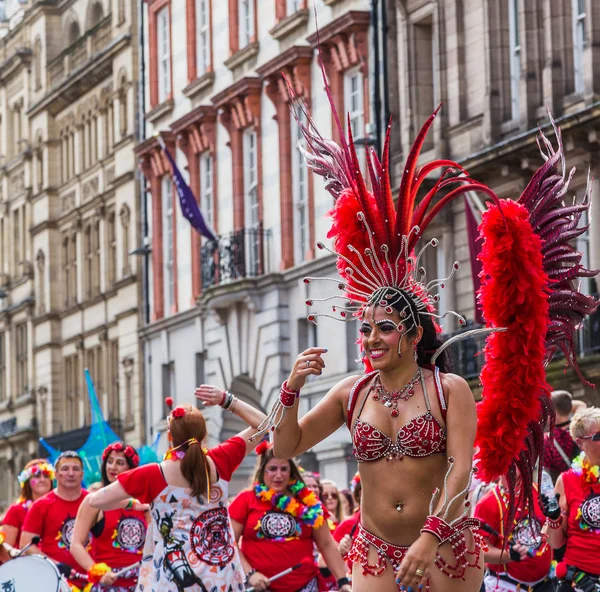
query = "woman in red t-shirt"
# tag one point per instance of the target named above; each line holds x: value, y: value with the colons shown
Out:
x: 279, y: 520
x: 36, y: 481
x: 119, y: 535
x: 190, y: 544
x: 578, y: 523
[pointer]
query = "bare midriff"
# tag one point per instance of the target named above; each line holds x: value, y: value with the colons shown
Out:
x: 410, y: 481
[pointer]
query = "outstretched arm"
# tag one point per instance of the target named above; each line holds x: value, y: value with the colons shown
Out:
x: 211, y: 395
x: 294, y: 437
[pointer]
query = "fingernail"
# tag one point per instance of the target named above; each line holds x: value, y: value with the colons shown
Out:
x: 325, y: 349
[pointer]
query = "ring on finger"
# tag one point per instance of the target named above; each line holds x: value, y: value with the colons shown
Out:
x: 308, y: 363
x: 419, y: 572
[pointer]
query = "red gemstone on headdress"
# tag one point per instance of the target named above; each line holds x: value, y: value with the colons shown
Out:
x: 462, y: 322
x: 383, y: 303
x: 309, y: 303
x: 456, y: 265
x: 435, y: 242
x: 402, y: 314
x: 343, y: 314
x: 320, y: 245
x: 389, y: 310
x: 306, y: 281
x: 334, y: 309
x: 310, y: 317
x: 442, y: 285
x: 341, y: 286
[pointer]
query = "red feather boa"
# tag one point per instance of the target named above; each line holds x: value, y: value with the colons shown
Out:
x: 514, y: 294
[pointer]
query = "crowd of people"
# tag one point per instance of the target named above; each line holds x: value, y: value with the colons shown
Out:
x: 172, y: 526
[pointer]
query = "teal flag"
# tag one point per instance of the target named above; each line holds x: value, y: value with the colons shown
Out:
x: 101, y: 435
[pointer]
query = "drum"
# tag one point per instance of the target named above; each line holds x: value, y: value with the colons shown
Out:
x: 31, y: 572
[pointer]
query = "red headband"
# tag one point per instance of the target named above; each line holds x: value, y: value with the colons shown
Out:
x: 128, y: 451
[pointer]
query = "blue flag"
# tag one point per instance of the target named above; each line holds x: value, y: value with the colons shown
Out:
x: 187, y: 201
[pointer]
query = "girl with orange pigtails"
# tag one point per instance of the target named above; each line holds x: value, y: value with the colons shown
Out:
x: 190, y: 544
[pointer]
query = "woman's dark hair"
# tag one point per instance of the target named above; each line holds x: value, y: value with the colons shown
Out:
x: 105, y: 480
x: 430, y: 340
x: 193, y: 465
x: 261, y: 463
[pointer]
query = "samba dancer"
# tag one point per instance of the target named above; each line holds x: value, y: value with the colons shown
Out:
x: 118, y: 535
x: 190, y: 544
x: 413, y: 424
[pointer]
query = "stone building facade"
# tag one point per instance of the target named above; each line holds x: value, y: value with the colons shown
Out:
x: 68, y: 219
x: 233, y: 313
x: 498, y: 66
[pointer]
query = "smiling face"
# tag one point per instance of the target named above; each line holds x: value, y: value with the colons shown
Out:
x: 277, y: 475
x: 311, y: 484
x: 383, y: 336
x: 116, y: 463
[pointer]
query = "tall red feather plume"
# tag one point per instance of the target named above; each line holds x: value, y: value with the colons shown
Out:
x: 513, y: 294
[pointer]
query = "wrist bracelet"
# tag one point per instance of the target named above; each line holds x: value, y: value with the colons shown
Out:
x: 233, y: 403
x: 287, y: 396
x: 343, y: 582
x: 229, y: 400
x: 223, y: 398
x: 132, y: 501
x: 554, y: 524
x: 249, y: 575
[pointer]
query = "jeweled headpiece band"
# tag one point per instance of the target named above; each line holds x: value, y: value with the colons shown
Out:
x: 384, y: 284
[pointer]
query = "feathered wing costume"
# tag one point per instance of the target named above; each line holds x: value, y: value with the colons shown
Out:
x: 529, y: 295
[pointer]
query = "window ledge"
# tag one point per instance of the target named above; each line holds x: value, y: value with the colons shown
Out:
x: 509, y: 127
x: 160, y: 111
x: 242, y: 55
x: 199, y: 85
x: 289, y: 24
x: 573, y: 102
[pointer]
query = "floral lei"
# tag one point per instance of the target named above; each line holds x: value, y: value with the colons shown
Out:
x: 590, y: 475
x: 303, y: 504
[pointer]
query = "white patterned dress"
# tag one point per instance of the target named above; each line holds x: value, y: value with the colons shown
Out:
x: 190, y: 545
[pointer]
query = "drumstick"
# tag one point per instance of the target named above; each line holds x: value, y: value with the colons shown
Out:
x: 285, y: 572
x: 126, y: 569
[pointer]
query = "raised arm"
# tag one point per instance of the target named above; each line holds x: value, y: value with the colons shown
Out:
x: 294, y: 437
x: 86, y: 518
x: 211, y: 395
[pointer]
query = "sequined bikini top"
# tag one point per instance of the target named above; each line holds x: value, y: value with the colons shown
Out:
x: 421, y: 436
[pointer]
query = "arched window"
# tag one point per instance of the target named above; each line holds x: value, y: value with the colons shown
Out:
x: 125, y: 216
x: 95, y: 14
x: 37, y: 64
x: 123, y: 106
x: 73, y: 32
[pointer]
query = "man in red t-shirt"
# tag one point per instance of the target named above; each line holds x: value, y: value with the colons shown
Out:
x: 52, y: 517
x: 525, y: 562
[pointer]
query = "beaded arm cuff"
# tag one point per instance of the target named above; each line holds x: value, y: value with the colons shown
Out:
x: 554, y: 524
x: 286, y: 400
x: 438, y: 528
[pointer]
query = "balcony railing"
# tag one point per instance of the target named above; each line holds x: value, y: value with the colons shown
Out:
x: 468, y: 364
x: 241, y: 254
x: 80, y: 52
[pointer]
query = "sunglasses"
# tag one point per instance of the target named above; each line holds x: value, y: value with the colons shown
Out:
x: 331, y: 495
x: 594, y: 437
